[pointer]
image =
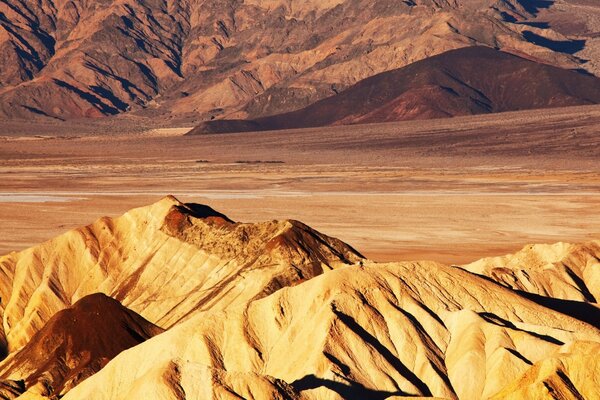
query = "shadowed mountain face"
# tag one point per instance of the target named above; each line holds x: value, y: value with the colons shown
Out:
x: 472, y: 80
x: 208, y: 59
x: 75, y: 344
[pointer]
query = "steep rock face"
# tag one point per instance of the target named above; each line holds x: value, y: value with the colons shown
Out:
x: 406, y: 329
x: 562, y: 270
x: 467, y: 81
x: 165, y: 262
x: 76, y: 343
x: 210, y: 59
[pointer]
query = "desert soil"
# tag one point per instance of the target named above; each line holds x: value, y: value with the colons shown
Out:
x: 446, y: 190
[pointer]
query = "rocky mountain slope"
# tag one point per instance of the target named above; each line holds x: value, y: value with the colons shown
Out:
x: 467, y: 81
x: 277, y: 310
x: 203, y: 59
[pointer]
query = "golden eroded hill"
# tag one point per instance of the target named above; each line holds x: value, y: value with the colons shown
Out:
x: 165, y: 262
x: 562, y: 270
x: 229, y: 58
x: 277, y: 310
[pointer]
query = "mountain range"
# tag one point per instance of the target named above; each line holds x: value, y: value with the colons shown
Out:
x: 467, y: 81
x: 197, y: 60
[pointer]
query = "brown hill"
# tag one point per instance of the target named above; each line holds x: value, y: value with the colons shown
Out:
x: 213, y: 59
x: 471, y: 80
x: 75, y: 344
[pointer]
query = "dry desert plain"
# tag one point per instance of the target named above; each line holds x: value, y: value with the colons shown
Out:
x: 451, y: 190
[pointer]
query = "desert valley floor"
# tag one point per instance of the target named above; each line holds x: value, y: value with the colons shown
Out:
x: 450, y: 190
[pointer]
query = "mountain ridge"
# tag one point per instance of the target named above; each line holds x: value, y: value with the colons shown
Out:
x: 404, y: 329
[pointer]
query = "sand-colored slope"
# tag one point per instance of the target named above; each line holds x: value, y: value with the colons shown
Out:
x: 561, y: 270
x: 76, y: 343
x: 164, y: 262
x: 405, y: 329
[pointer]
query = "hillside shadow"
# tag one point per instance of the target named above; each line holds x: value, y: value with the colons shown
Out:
x: 202, y: 211
x: 582, y: 311
x: 351, y: 391
x: 496, y: 320
x: 103, y: 107
x: 535, y: 24
x: 561, y: 46
x: 534, y: 6
x: 108, y: 95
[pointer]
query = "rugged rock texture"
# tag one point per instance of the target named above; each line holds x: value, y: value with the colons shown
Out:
x: 212, y: 59
x: 467, y: 81
x: 75, y: 344
x: 165, y: 262
x: 407, y: 329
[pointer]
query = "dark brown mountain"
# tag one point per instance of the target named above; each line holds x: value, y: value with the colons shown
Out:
x: 75, y: 344
x: 473, y: 80
x: 230, y: 59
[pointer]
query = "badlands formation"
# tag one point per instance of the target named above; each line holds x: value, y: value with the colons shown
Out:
x: 278, y: 310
